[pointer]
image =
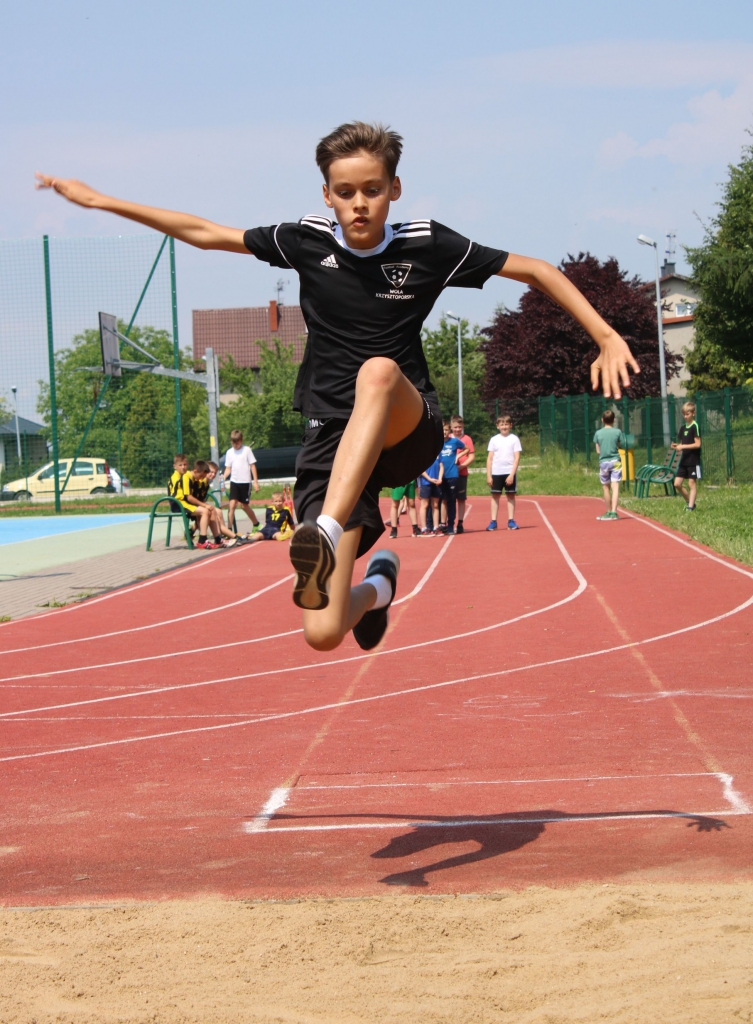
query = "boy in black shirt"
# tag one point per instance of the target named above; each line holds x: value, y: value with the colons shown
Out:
x: 689, y: 443
x: 373, y: 419
x: 279, y: 523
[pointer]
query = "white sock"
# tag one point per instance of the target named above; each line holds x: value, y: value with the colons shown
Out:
x: 383, y: 588
x: 331, y: 527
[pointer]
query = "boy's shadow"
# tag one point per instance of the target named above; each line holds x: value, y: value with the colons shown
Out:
x: 494, y: 838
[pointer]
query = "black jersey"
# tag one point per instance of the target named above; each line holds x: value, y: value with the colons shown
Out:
x: 279, y: 517
x: 687, y: 434
x: 357, y: 307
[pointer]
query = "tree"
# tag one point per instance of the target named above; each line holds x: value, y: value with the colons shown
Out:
x: 441, y: 351
x: 134, y: 428
x: 541, y: 350
x: 264, y: 410
x: 712, y: 369
x: 5, y: 413
x: 723, y: 270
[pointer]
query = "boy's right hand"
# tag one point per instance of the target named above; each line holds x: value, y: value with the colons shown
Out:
x: 72, y: 190
x: 489, y: 480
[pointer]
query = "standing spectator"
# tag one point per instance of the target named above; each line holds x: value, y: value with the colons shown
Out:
x: 608, y: 440
x: 448, y: 456
x: 502, y: 470
x: 429, y: 484
x: 689, y: 443
x: 240, y: 466
x: 405, y: 494
x: 464, y: 461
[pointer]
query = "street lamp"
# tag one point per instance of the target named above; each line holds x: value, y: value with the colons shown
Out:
x: 14, y: 389
x: 451, y: 316
x: 645, y: 240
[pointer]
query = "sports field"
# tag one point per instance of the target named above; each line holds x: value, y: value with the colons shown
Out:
x: 531, y: 803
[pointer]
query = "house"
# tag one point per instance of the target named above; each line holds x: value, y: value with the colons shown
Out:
x: 679, y: 300
x: 33, y: 445
x: 239, y: 332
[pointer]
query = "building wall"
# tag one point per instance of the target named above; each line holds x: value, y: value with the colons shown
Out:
x: 238, y: 332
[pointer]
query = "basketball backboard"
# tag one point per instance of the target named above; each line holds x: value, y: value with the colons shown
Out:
x: 108, y: 333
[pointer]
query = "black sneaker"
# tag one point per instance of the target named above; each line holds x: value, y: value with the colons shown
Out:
x: 313, y: 558
x: 460, y: 528
x: 416, y: 531
x: 393, y: 533
x: 372, y: 627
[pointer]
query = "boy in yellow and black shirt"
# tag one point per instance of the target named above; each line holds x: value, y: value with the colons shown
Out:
x: 180, y: 467
x: 192, y: 494
x: 279, y: 524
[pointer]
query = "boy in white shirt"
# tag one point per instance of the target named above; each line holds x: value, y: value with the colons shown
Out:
x: 502, y: 470
x: 240, y: 466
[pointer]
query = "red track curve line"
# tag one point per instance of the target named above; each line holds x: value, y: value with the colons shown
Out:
x: 216, y: 647
x: 582, y: 584
x: 127, y: 589
x: 153, y: 625
x: 260, y: 719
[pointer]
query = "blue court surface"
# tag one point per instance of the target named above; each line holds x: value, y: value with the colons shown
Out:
x: 35, y: 527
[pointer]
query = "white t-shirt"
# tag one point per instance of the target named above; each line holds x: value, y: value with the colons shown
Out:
x: 504, y: 449
x: 240, y: 461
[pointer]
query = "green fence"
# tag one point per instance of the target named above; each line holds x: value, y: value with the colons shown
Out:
x: 51, y: 291
x: 725, y: 420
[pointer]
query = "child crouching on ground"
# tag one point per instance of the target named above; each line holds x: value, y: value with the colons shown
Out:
x: 502, y: 470
x: 279, y: 524
x: 608, y: 440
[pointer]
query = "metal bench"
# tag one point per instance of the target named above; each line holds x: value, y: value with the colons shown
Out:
x: 653, y: 473
x: 174, y: 511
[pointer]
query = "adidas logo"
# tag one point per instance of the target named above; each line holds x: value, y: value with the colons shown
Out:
x: 330, y: 261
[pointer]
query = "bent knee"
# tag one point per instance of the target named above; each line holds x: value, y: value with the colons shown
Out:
x: 378, y: 373
x: 321, y: 636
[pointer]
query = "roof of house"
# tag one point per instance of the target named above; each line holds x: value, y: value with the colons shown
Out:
x: 238, y: 332
x: 25, y: 426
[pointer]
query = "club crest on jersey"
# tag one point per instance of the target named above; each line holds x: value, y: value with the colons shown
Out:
x: 396, y: 273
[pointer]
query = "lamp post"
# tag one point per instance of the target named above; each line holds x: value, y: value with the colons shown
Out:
x: 645, y: 240
x: 14, y: 389
x: 451, y: 316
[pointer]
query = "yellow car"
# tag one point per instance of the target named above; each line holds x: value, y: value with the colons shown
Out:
x: 89, y: 476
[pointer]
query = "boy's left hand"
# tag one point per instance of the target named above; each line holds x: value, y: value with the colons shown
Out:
x: 611, y: 366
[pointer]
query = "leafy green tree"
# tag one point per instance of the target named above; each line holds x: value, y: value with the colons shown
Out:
x: 5, y: 413
x: 723, y: 271
x: 712, y: 369
x: 441, y: 351
x: 264, y: 409
x: 134, y: 428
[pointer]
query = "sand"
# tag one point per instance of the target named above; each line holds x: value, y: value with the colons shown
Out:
x: 655, y: 953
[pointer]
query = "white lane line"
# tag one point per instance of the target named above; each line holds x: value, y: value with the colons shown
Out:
x: 646, y: 698
x: 511, y: 782
x: 430, y: 571
x: 277, y: 799
x: 731, y: 795
x: 128, y: 589
x: 465, y: 822
x: 313, y: 666
x: 152, y: 625
x: 376, y: 697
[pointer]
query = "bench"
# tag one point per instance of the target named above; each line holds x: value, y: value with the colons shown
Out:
x: 653, y: 473
x: 174, y: 511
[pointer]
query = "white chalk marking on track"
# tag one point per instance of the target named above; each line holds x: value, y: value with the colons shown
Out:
x: 510, y: 782
x: 313, y: 666
x: 731, y: 795
x: 465, y: 822
x: 277, y: 799
x: 127, y: 589
x: 152, y: 625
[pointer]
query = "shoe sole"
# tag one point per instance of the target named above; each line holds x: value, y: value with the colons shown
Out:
x: 313, y: 562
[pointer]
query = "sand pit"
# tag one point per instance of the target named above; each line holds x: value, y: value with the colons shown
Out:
x: 633, y: 953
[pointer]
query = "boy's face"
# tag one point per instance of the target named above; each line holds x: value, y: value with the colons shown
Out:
x: 277, y: 501
x: 446, y: 429
x: 504, y: 427
x: 688, y: 415
x: 458, y: 429
x: 237, y: 443
x: 198, y: 475
x: 359, y: 190
x: 211, y: 474
x: 182, y: 466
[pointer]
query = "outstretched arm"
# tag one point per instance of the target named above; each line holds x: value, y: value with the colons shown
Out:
x: 615, y: 358
x: 204, y: 234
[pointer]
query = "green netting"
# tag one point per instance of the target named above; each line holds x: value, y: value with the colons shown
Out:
x: 138, y: 423
x: 725, y: 420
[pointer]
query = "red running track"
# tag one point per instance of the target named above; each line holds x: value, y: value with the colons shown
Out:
x: 567, y: 703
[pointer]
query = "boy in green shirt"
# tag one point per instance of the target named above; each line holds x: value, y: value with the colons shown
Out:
x: 608, y: 440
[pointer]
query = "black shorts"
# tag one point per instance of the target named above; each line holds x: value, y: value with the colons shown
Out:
x: 268, y: 532
x: 462, y: 492
x: 499, y: 484
x: 395, y: 467
x: 240, y: 492
x: 688, y: 472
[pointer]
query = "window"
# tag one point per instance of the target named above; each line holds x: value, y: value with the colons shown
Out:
x: 49, y: 471
x: 685, y: 308
x: 101, y: 468
x: 83, y: 469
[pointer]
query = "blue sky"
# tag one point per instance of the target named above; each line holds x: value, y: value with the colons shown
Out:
x: 542, y: 128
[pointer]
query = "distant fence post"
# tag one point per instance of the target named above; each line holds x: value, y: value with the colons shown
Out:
x: 569, y: 400
x: 728, y: 435
x: 649, y: 451
x: 51, y: 359
x: 176, y: 348
x: 586, y: 428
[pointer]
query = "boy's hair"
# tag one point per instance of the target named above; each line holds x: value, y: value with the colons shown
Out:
x: 236, y: 435
x: 179, y: 458
x: 608, y: 417
x: 200, y: 466
x: 214, y: 466
x: 505, y: 418
x: 689, y: 405
x: 349, y: 139
x: 456, y: 419
x: 445, y: 423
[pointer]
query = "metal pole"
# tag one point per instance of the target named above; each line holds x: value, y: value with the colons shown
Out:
x: 176, y: 348
x: 51, y: 361
x: 460, y: 369
x: 662, y: 367
x: 18, y: 432
x: 212, y: 397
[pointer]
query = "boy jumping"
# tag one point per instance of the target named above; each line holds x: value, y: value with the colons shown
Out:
x: 373, y: 418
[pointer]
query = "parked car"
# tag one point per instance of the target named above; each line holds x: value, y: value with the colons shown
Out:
x: 90, y: 476
x: 119, y: 483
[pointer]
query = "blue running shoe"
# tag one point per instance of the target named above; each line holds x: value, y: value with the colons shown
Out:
x: 492, y: 525
x: 512, y: 525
